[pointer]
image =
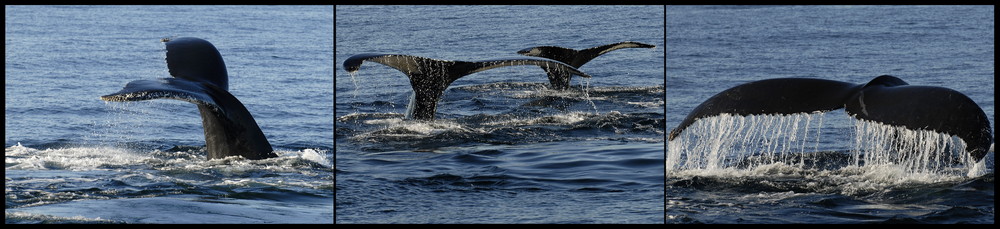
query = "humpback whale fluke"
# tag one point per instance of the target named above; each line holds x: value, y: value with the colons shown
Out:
x: 200, y: 77
x: 885, y: 99
x: 430, y: 77
x: 575, y: 58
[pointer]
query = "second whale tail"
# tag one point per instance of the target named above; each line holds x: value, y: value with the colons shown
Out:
x: 559, y: 80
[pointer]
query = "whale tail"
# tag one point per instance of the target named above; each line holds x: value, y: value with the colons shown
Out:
x: 430, y: 77
x: 575, y: 58
x: 891, y: 101
x: 201, y: 78
x: 772, y: 96
x: 885, y: 99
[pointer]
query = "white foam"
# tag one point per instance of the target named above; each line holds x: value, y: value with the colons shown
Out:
x: 556, y: 119
x: 651, y: 104
x: 87, y: 158
x: 397, y: 127
x: 318, y: 156
x: 72, y: 158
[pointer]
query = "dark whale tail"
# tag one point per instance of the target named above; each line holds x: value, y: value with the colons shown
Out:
x: 885, y: 99
x: 576, y: 58
x: 200, y: 77
x: 430, y: 77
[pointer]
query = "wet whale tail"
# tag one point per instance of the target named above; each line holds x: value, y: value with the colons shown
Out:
x: 559, y: 80
x: 430, y: 77
x: 200, y: 77
x: 885, y: 99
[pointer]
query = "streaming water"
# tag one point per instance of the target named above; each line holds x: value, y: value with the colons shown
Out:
x: 730, y: 140
x: 747, y: 142
x: 915, y: 151
x: 586, y: 94
x: 354, y: 80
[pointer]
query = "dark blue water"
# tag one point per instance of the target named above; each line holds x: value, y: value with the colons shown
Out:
x: 504, y: 149
x: 71, y: 157
x: 713, y: 48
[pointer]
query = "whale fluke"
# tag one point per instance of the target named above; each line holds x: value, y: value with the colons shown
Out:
x: 200, y: 77
x: 430, y: 77
x: 576, y: 58
x: 885, y: 99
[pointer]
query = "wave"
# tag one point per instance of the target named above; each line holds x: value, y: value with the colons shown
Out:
x: 46, y: 176
x: 78, y: 158
x: 179, y: 209
x: 13, y: 217
x: 589, y: 165
x: 780, y: 177
x: 514, y: 112
x: 503, y: 128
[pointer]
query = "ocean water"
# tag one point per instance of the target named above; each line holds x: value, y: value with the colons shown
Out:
x: 828, y: 172
x: 503, y: 149
x: 73, y: 158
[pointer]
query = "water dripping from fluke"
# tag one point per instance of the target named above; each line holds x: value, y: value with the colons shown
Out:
x: 914, y: 151
x: 355, y: 81
x: 724, y: 141
x: 733, y: 142
x: 586, y: 95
